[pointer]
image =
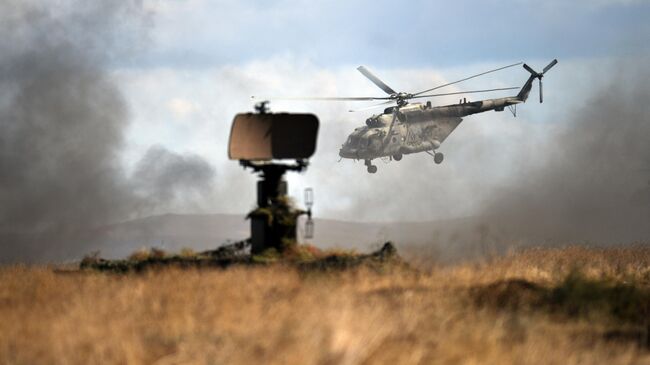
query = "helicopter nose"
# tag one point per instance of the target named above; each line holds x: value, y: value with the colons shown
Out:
x: 347, y: 152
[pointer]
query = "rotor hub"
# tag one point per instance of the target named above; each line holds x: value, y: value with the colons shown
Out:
x: 401, y: 98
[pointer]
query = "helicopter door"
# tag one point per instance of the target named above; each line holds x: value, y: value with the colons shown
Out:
x: 392, y: 138
x: 372, y: 142
x: 412, y: 132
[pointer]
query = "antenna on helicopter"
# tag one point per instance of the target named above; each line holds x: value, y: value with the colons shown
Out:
x: 540, y: 75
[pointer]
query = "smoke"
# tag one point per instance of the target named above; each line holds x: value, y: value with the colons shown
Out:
x: 62, y: 122
x: 583, y: 178
x: 63, y: 118
x: 592, y: 181
x: 580, y: 175
x: 166, y: 179
x: 574, y: 168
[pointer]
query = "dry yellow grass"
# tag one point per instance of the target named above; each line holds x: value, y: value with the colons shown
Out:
x: 280, y: 316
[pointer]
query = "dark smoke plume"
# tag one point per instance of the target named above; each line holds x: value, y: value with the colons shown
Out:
x: 586, y: 182
x: 594, y: 182
x: 163, y: 178
x: 62, y: 119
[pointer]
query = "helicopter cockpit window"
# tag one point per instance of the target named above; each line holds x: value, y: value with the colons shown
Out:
x: 353, y: 141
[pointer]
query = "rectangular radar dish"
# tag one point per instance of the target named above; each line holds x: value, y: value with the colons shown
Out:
x: 260, y: 137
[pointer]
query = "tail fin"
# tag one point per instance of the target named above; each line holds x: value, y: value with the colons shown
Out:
x: 525, y: 90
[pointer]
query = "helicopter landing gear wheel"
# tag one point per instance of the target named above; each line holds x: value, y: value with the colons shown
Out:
x: 371, y: 168
x: 438, y: 157
x: 397, y: 157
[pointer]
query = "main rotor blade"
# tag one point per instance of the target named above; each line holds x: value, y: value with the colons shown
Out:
x: 549, y: 66
x: 376, y: 80
x: 371, y: 106
x: 467, y: 78
x: 541, y: 95
x: 328, y: 98
x: 466, y: 92
x: 529, y: 69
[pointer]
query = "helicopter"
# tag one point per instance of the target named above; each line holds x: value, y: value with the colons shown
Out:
x: 407, y: 128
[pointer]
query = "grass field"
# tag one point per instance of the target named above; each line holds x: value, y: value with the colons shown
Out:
x: 559, y: 306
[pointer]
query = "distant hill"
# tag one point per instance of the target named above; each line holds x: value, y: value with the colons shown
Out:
x: 172, y: 232
x: 445, y: 240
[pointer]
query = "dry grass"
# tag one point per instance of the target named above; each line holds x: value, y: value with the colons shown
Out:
x: 277, y: 314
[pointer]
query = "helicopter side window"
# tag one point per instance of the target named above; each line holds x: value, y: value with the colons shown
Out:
x: 374, y: 142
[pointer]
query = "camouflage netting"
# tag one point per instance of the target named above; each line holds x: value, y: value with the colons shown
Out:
x: 305, y: 258
x: 281, y: 219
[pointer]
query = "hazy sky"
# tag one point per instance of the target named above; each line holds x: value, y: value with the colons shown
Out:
x: 112, y: 110
x: 202, y: 60
x: 201, y: 33
x: 184, y: 68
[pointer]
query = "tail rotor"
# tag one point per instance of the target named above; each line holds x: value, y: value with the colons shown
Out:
x: 540, y: 75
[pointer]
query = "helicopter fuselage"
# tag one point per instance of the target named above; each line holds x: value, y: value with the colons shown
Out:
x: 412, y: 128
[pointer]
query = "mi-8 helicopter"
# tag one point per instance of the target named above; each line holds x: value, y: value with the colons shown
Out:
x: 407, y: 128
